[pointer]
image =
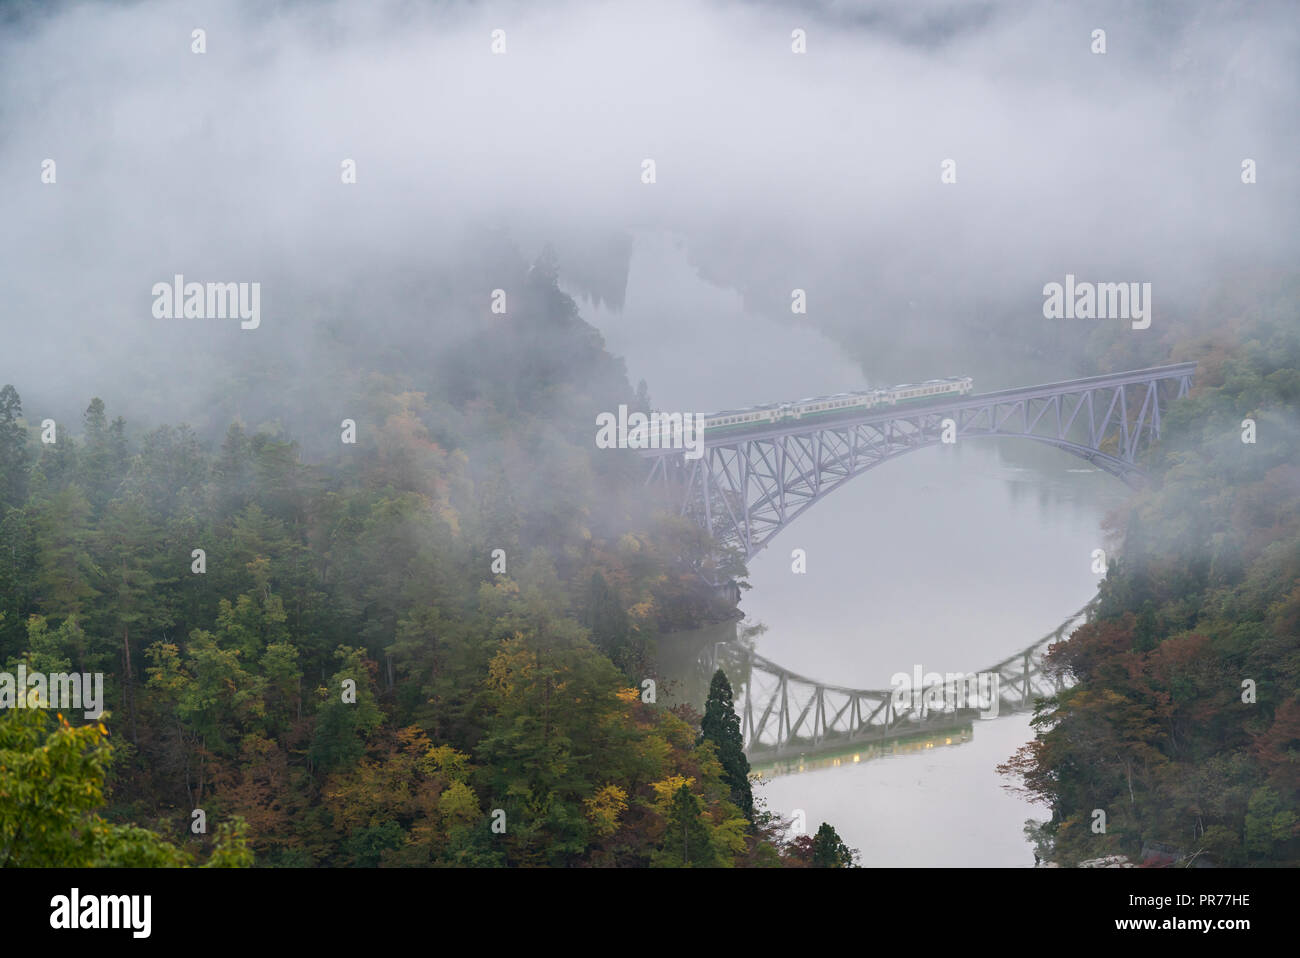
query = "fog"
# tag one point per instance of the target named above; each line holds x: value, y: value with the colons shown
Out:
x: 920, y: 173
x: 774, y: 171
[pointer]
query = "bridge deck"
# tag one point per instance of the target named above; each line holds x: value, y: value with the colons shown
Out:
x: 881, y: 414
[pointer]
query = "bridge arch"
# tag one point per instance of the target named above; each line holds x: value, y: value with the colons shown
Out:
x: 784, y: 713
x: 1121, y: 470
x: 745, y: 488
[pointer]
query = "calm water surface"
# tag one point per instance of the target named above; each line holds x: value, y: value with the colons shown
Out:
x: 950, y: 557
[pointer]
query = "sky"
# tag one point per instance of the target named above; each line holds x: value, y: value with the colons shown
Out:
x: 774, y: 170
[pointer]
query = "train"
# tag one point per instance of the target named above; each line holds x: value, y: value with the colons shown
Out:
x: 840, y: 403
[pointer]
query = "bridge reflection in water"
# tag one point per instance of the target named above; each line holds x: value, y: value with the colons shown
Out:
x: 767, y: 767
x: 786, y: 717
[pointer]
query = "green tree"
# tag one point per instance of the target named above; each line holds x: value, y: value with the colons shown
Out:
x: 65, y: 566
x: 721, y: 726
x: 51, y: 782
x: 687, y: 842
x: 828, y: 851
x: 133, y: 574
x: 102, y: 464
x: 610, y: 628
x: 348, y: 714
x: 15, y: 458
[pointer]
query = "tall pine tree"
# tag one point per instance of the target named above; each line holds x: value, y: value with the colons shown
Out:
x: 14, y: 455
x: 721, y: 726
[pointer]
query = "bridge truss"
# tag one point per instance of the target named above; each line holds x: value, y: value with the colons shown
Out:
x: 747, y: 487
x: 784, y: 713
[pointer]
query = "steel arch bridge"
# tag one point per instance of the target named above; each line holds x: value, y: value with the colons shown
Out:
x: 783, y: 713
x: 749, y: 485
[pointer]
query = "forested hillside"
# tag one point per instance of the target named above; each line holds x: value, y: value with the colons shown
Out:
x: 1184, y: 727
x: 486, y: 579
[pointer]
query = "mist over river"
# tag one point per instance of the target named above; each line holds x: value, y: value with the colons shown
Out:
x: 950, y: 558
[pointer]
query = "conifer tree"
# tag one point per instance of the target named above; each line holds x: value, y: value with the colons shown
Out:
x: 14, y: 455
x: 828, y: 850
x: 687, y: 843
x: 721, y: 726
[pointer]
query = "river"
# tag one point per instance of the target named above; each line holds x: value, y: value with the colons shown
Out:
x: 950, y: 558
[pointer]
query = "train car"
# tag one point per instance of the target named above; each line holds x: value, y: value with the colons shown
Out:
x: 742, y: 418
x: 929, y: 390
x: 826, y: 405
x: 840, y: 403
